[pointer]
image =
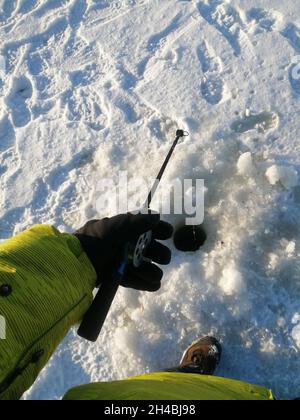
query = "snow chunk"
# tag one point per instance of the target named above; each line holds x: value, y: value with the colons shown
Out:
x: 273, y: 261
x: 287, y: 176
x: 291, y: 248
x: 245, y: 164
x: 2, y: 65
x: 296, y: 319
x: 296, y: 335
x: 232, y: 282
x: 268, y: 346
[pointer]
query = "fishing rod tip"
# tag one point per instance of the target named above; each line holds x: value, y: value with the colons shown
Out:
x: 182, y: 133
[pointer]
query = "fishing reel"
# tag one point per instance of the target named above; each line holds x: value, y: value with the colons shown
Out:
x: 137, y: 251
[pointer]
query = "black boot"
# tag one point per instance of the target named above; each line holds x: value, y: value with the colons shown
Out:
x: 201, y: 358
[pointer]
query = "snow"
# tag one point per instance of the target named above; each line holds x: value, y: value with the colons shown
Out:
x: 287, y: 176
x: 245, y: 164
x: 296, y: 335
x: 291, y: 247
x: 232, y: 282
x: 90, y: 88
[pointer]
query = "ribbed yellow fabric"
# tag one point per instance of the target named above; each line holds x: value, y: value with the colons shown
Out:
x: 171, y: 386
x: 52, y: 281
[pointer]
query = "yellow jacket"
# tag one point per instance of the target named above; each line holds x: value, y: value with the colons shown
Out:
x: 46, y: 285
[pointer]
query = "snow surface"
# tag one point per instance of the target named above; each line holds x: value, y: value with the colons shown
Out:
x: 245, y: 164
x: 92, y: 87
x: 287, y: 176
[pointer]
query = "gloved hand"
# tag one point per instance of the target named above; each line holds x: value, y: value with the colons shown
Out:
x: 104, y: 242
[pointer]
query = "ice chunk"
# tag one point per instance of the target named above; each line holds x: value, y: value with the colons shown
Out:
x: 291, y: 247
x: 287, y: 176
x: 296, y: 335
x: 296, y: 319
x: 2, y: 65
x: 273, y: 261
x: 232, y: 282
x: 245, y: 164
x: 268, y: 346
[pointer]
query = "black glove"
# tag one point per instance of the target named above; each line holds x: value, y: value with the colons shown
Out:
x: 104, y: 242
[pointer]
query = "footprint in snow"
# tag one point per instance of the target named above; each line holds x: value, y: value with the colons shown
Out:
x: 127, y: 110
x: 227, y: 20
x: 265, y: 20
x: 262, y: 122
x: 84, y: 107
x: 7, y: 8
x: 7, y: 134
x: 27, y: 6
x: 212, y: 90
x: 292, y: 34
x: 212, y: 86
x: 294, y: 77
x: 20, y: 93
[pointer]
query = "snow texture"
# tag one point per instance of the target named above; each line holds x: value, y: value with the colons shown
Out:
x: 245, y: 164
x: 287, y: 176
x: 92, y: 87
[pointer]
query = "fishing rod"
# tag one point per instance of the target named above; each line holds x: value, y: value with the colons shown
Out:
x: 133, y: 253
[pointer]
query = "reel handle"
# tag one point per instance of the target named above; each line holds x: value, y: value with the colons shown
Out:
x: 95, y: 317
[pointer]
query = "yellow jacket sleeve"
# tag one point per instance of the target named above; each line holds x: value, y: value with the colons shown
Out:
x: 171, y: 386
x: 46, y: 284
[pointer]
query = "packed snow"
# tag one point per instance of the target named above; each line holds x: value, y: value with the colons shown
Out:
x: 89, y: 88
x: 287, y: 176
x: 245, y: 164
